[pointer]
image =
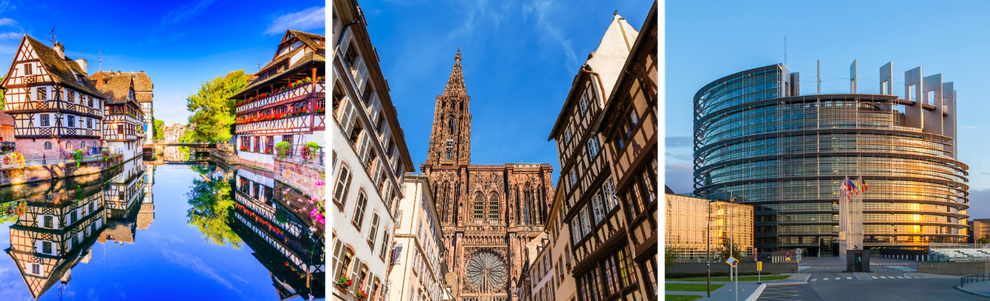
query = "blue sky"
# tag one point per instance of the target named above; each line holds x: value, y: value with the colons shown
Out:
x: 518, y: 57
x: 180, y: 44
x: 706, y: 41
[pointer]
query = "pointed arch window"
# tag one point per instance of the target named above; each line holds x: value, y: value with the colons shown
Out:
x: 453, y: 123
x: 534, y: 207
x: 479, y: 206
x: 493, y: 211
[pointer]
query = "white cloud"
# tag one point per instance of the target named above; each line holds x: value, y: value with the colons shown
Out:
x: 307, y: 19
x: 550, y: 31
x: 967, y: 127
x: 7, y: 22
x: 11, y: 35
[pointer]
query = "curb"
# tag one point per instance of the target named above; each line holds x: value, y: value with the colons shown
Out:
x: 756, y: 294
x: 959, y: 287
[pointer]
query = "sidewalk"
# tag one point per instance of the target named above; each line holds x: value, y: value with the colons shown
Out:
x: 979, y: 289
x: 748, y: 290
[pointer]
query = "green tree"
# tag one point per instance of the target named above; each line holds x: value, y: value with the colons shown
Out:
x: 212, y: 202
x: 212, y: 108
x: 723, y: 251
x: 669, y: 256
x: 159, y: 129
x: 983, y: 240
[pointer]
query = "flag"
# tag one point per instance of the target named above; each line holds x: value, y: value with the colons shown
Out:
x: 852, y: 186
x: 863, y: 184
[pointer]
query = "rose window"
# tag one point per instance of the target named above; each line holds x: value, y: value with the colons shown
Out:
x: 486, y: 272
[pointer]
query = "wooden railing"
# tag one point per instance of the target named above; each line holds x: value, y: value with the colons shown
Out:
x: 52, y: 105
x: 301, y: 90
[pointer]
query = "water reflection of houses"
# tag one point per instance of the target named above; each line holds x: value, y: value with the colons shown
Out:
x: 124, y: 194
x: 280, y: 240
x: 56, y: 232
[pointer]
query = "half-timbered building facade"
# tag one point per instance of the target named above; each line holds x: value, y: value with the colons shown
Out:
x: 56, y: 109
x: 589, y: 209
x: 628, y: 125
x: 55, y: 233
x: 284, y: 102
x: 143, y: 93
x: 283, y: 242
x: 123, y: 197
x: 123, y: 119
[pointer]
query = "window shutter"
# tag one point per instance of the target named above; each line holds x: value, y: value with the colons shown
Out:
x: 345, y: 119
x: 365, y: 146
x: 397, y: 254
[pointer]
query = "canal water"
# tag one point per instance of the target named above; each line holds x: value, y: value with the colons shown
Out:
x: 166, y: 232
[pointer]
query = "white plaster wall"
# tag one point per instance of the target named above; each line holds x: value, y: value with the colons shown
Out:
x: 341, y: 217
x: 611, y: 54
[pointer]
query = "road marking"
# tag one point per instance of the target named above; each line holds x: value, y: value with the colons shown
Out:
x: 900, y: 277
x: 814, y: 279
x: 847, y: 278
x: 882, y: 277
x: 826, y: 279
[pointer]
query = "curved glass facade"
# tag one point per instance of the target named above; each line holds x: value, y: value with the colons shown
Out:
x: 787, y: 156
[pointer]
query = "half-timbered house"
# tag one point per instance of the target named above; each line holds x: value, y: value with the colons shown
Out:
x: 54, y: 234
x: 56, y: 109
x: 284, y: 102
x: 282, y: 242
x: 143, y: 94
x: 123, y: 121
x: 125, y: 191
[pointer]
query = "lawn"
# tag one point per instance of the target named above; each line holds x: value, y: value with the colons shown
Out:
x: 690, y: 287
x: 741, y: 278
x: 681, y: 297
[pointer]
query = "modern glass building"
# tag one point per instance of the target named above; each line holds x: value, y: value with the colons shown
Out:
x: 756, y: 138
x: 699, y: 228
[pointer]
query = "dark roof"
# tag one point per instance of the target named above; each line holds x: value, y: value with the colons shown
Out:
x: 61, y: 70
x: 140, y: 80
x: 307, y: 58
x: 6, y: 119
x: 117, y: 89
x: 307, y: 38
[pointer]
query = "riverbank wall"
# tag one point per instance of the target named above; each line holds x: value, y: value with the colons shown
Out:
x: 22, y: 175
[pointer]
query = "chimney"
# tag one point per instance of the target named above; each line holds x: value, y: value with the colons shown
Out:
x: 60, y: 50
x: 82, y: 64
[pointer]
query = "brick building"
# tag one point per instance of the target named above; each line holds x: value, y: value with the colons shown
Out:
x: 488, y: 212
x: 56, y: 109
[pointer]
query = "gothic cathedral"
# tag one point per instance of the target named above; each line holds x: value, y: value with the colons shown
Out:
x: 488, y: 212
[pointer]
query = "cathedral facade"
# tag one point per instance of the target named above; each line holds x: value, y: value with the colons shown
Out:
x: 488, y: 212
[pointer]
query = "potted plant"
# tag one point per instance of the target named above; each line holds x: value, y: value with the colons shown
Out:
x: 78, y: 155
x: 344, y: 282
x: 361, y: 295
x: 310, y: 151
x: 283, y: 149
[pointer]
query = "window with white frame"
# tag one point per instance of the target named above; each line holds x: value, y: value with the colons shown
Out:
x: 593, y: 147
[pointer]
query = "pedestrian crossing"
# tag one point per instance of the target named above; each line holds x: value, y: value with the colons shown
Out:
x: 851, y: 278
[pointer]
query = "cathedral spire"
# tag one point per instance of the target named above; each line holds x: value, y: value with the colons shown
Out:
x: 455, y: 85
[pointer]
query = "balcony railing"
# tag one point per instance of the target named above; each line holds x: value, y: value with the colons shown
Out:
x: 297, y: 155
x: 52, y: 105
x: 298, y: 91
x: 296, y: 122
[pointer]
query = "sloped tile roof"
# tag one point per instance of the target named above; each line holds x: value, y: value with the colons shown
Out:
x: 6, y: 119
x: 117, y: 89
x: 61, y: 70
